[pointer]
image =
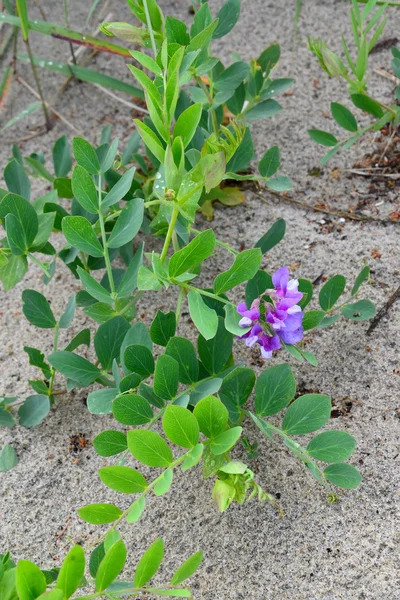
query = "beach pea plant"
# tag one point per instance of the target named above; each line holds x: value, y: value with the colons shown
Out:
x: 24, y: 579
x: 367, y: 27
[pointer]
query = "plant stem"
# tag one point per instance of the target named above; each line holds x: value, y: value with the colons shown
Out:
x: 170, y: 231
x: 38, y: 86
x: 105, y: 248
x: 53, y: 371
x: 39, y: 264
x: 210, y: 101
x: 179, y: 305
x: 186, y: 286
x: 150, y: 27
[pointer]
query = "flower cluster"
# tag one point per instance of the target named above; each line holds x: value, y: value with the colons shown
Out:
x: 278, y: 319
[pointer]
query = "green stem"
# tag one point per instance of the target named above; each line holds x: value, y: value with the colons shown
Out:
x: 186, y: 286
x: 170, y: 231
x: 179, y: 305
x: 53, y: 371
x: 150, y: 27
x: 105, y: 248
x: 39, y: 264
x: 174, y: 464
x: 210, y: 101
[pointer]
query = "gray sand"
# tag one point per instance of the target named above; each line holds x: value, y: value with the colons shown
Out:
x: 349, y: 550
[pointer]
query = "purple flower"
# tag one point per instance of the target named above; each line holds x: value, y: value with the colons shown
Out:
x: 281, y: 320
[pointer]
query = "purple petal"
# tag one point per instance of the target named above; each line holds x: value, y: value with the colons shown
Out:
x: 294, y: 321
x: 291, y: 337
x: 280, y: 279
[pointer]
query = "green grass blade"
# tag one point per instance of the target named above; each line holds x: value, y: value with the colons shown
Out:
x: 85, y: 74
x: 25, y: 113
x: 69, y: 35
x: 22, y: 9
x: 95, y: 4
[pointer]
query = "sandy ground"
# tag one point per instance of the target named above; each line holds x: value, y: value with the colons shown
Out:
x: 349, y: 550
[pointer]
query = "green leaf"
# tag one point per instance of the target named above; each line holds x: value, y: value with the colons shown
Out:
x: 182, y: 350
x: 37, y: 310
x: 84, y: 190
x: 270, y: 163
x: 272, y: 237
x: 275, y: 388
x: 166, y: 377
x: 235, y: 391
x: 36, y: 359
x: 362, y: 276
x: 163, y: 327
x: 322, y: 137
x: 204, y: 317
x: 99, y: 402
x: 231, y: 77
x: 149, y: 448
x: 328, y: 321
x: 227, y: 18
x: 98, y: 514
x: 24, y: 213
x: 95, y: 559
x: 138, y: 359
x: 193, y: 457
x: 232, y: 319
x: 13, y: 271
x: 119, y: 190
x: 94, y: 288
x: 8, y: 460
x: 308, y: 413
x: 257, y: 286
x: 164, y: 483
x: 136, y: 510
x: 215, y: 353
x: 344, y: 117
x: 15, y: 236
x: 332, y: 446
x: 34, y: 410
x: 211, y: 415
x: 149, y: 563
x: 359, y: 311
x: 29, y: 580
x: 85, y: 155
x: 6, y: 419
x: 132, y: 409
x: 331, y: 292
x: 151, y: 140
x: 128, y: 224
x: 71, y: 572
x: 123, y: 479
x: 200, y: 248
x: 137, y: 335
x: 181, y: 426
x: 111, y: 566
x: 269, y: 57
x: 129, y: 280
x: 107, y: 157
x: 245, y: 266
x: 110, y: 443
x: 225, y: 441
x: 108, y: 340
x: 68, y: 315
x: 79, y: 234
x: 74, y: 367
x: 187, y: 123
x: 367, y: 104
x: 263, y: 110
x: 17, y: 180
x: 147, y: 62
x: 312, y: 318
x: 62, y: 157
x: 187, y: 569
x: 343, y: 475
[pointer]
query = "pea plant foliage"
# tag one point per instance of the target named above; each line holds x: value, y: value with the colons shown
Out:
x: 178, y: 403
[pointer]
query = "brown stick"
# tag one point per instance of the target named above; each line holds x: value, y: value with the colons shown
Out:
x: 383, y: 311
x: 336, y: 213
